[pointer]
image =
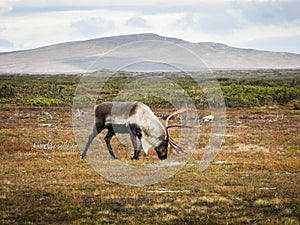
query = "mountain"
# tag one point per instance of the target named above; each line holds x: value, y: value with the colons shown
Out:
x: 141, y: 52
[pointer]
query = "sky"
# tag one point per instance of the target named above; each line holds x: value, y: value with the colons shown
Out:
x: 256, y: 24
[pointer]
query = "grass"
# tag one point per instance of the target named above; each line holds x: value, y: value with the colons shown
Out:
x: 257, y: 184
x: 254, y: 179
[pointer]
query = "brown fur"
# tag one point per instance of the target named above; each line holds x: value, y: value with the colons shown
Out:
x: 134, y: 118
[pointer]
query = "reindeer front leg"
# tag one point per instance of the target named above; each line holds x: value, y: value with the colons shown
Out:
x: 135, y: 132
x: 135, y: 154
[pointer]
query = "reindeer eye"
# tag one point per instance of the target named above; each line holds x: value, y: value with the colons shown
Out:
x: 162, y: 138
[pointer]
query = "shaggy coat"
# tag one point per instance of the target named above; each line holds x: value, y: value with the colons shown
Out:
x: 134, y: 118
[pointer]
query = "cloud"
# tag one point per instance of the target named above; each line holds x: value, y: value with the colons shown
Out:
x: 92, y: 26
x: 5, y: 43
x: 137, y: 21
x: 5, y: 6
x: 270, y: 12
x: 279, y: 44
x: 228, y: 17
x: 35, y: 30
x: 219, y: 24
x: 106, y: 3
x: 237, y: 23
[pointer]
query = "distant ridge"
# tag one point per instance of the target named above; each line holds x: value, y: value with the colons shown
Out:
x: 108, y: 53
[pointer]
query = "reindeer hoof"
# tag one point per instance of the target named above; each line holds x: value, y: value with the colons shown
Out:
x: 82, y: 156
x: 113, y: 157
x: 134, y: 157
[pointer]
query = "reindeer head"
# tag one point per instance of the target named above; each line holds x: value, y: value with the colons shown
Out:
x: 162, y: 148
x: 165, y: 139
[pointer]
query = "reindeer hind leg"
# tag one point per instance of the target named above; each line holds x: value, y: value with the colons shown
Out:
x: 107, y: 138
x: 90, y: 139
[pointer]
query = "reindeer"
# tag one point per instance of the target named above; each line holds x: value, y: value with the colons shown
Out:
x: 139, y: 121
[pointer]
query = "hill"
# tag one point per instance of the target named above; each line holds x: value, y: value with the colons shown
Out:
x: 141, y: 52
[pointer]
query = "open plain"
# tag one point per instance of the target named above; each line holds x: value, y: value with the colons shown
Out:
x: 254, y: 179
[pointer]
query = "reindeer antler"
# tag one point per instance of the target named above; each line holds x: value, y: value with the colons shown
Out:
x: 178, y: 148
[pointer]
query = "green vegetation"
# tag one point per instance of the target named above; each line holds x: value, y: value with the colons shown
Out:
x: 248, y: 93
x: 37, y: 90
x: 237, y: 91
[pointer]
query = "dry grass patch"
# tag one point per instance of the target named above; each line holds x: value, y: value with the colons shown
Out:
x: 51, y: 185
x: 249, y: 148
x: 268, y: 202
